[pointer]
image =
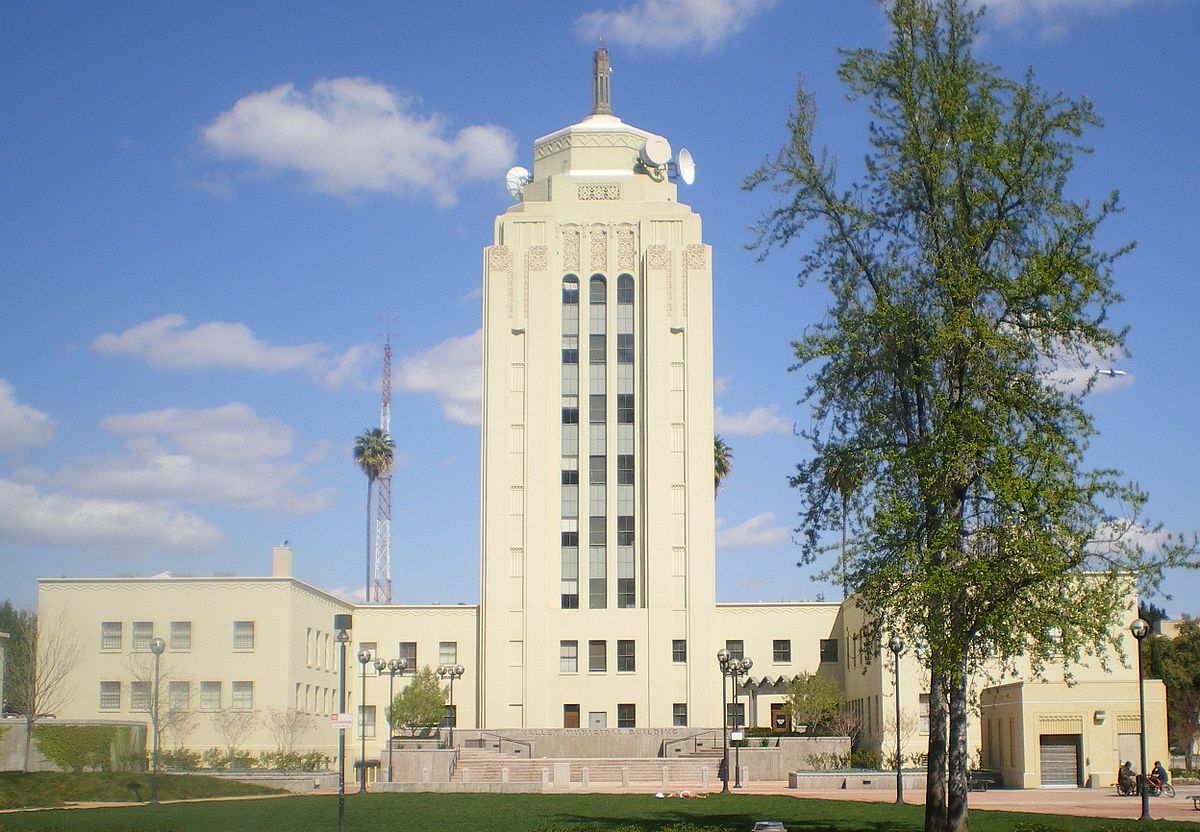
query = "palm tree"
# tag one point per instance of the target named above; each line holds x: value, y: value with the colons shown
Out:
x: 722, y: 460
x: 373, y: 453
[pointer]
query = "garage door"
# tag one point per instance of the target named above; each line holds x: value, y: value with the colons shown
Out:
x: 1060, y: 759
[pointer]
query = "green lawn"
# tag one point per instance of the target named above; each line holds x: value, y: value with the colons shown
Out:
x: 525, y: 813
x: 52, y: 788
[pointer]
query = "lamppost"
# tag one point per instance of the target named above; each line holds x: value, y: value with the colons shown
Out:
x: 394, y: 666
x: 723, y: 660
x: 1140, y: 630
x: 896, y: 644
x: 454, y: 671
x: 738, y: 668
x: 342, y: 623
x: 157, y: 646
x: 364, y: 658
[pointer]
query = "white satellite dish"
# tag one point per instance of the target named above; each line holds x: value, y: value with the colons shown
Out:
x: 685, y: 166
x: 655, y: 152
x: 516, y: 179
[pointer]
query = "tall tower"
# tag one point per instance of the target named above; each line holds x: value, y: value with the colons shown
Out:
x: 597, y: 536
x: 383, y: 493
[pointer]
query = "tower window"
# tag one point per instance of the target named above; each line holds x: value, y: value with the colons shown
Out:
x: 624, y: 347
x: 570, y: 290
x: 625, y: 408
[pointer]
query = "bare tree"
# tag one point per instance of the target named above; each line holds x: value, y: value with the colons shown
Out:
x: 284, y: 725
x: 178, y: 723
x: 847, y: 723
x: 233, y: 727
x: 907, y: 728
x: 43, y: 656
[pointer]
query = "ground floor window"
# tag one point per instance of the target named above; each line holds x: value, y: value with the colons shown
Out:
x: 570, y: 716
x: 679, y: 714
x: 626, y: 716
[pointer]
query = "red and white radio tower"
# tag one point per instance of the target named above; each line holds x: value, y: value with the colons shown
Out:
x: 383, y: 493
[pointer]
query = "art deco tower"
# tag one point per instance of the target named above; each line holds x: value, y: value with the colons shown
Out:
x: 597, y: 507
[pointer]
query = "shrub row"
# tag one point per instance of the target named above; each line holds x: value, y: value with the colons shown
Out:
x: 215, y: 758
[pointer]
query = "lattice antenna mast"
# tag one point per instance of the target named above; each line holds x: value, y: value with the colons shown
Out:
x: 383, y: 492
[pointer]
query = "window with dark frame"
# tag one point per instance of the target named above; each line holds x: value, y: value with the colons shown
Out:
x: 679, y: 650
x: 626, y: 656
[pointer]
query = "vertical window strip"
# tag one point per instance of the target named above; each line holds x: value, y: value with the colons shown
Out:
x: 569, y: 544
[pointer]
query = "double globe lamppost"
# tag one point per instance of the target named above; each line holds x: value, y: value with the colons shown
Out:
x: 732, y: 668
x: 451, y: 671
x: 394, y: 666
x: 364, y: 658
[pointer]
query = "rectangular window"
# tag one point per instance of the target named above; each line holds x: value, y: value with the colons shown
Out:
x: 597, y: 531
x: 570, y: 716
x: 243, y: 635
x: 736, y: 648
x: 242, y: 698
x: 679, y: 714
x: 829, y: 649
x: 626, y: 716
x: 597, y: 405
x: 447, y: 652
x: 624, y: 469
x: 569, y: 566
x: 923, y: 713
x: 179, y: 696
x: 597, y: 472
x: 734, y: 714
x: 372, y: 648
x: 143, y: 632
x: 625, y: 408
x: 210, y: 696
x: 598, y: 656
x: 110, y: 696
x: 626, y: 656
x: 569, y: 504
x: 570, y: 415
x: 570, y: 355
x: 570, y: 476
x: 596, y: 349
x: 450, y: 717
x: 625, y: 348
x: 408, y: 652
x: 181, y: 635
x: 110, y: 635
x: 679, y: 650
x: 626, y: 596
x: 781, y: 651
x: 366, y: 721
x: 625, y: 531
x: 139, y: 696
x: 568, y: 657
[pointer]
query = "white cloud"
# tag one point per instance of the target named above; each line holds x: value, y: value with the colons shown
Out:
x: 721, y: 384
x: 225, y: 455
x: 452, y: 371
x: 20, y: 424
x: 759, y: 531
x: 165, y: 342
x: 1072, y: 374
x: 353, y: 135
x: 672, y: 24
x: 756, y: 422
x: 1050, y: 17
x: 31, y: 517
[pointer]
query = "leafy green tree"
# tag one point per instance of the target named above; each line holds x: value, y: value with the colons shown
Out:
x: 722, y: 460
x: 961, y: 275
x: 373, y: 452
x: 1181, y: 675
x: 814, y: 701
x: 422, y: 704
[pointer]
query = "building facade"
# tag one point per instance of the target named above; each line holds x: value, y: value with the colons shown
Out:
x: 597, y: 557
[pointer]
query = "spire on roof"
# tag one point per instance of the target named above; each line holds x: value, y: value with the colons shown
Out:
x: 601, y: 87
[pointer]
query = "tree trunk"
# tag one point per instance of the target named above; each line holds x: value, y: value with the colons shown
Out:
x: 28, y: 738
x: 956, y: 815
x: 935, y: 770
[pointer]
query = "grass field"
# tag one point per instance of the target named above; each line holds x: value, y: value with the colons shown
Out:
x: 50, y: 788
x: 526, y: 813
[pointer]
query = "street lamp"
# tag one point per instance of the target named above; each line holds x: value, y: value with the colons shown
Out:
x: 342, y: 623
x: 453, y: 672
x: 1140, y: 630
x: 723, y: 660
x: 364, y: 658
x: 896, y: 644
x: 157, y: 646
x: 738, y: 668
x: 394, y: 666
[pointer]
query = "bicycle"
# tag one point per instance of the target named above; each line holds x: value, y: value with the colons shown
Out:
x: 1157, y: 788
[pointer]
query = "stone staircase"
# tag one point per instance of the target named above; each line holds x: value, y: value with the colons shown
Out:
x: 486, y: 766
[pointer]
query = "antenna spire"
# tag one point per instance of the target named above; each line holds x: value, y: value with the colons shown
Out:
x: 601, y: 86
x: 383, y: 494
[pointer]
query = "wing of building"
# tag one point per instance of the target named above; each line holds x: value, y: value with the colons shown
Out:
x: 598, y: 608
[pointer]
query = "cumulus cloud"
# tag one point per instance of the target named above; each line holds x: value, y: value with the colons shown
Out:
x: 1073, y: 374
x: 1051, y: 18
x: 167, y: 343
x: 226, y: 455
x: 760, y: 531
x: 29, y: 516
x: 672, y: 24
x: 452, y: 371
x: 351, y: 136
x: 20, y: 424
x: 756, y: 422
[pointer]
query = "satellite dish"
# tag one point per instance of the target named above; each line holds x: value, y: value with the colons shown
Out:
x: 655, y: 152
x: 685, y: 166
x: 516, y: 180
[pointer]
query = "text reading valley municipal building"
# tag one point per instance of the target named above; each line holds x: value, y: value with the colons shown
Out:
x: 598, y: 625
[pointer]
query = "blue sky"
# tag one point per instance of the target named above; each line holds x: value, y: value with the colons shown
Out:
x: 213, y: 213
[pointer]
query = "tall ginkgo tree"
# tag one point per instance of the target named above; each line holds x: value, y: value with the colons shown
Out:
x: 373, y: 452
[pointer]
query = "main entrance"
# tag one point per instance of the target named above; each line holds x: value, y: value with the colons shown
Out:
x: 1060, y: 759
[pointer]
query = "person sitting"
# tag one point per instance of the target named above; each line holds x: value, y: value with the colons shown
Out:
x: 1157, y: 778
x: 1126, y: 779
